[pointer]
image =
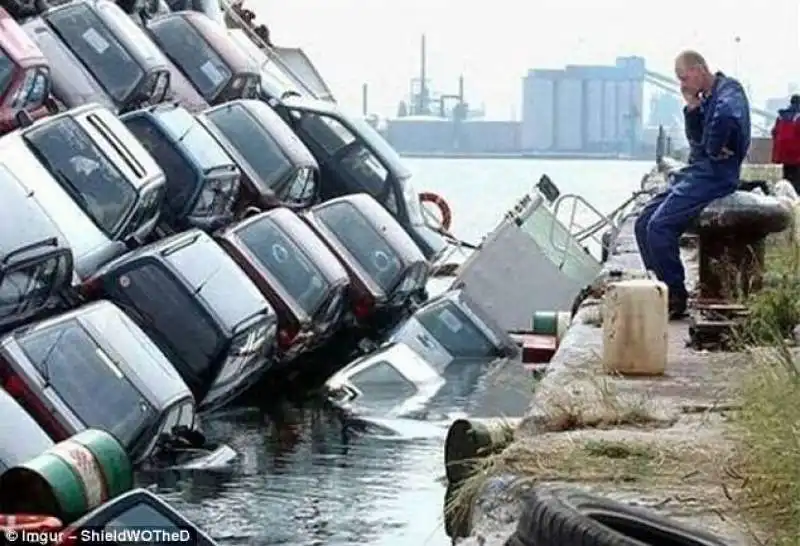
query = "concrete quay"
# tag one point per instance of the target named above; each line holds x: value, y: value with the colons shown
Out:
x: 660, y: 443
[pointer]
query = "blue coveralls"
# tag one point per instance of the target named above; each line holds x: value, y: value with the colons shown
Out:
x: 719, y: 136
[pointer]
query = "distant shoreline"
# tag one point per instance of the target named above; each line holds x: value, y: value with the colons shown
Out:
x: 525, y: 155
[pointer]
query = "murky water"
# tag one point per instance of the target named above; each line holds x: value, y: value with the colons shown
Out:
x: 308, y: 477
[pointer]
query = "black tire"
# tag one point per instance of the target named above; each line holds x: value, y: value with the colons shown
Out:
x: 569, y: 517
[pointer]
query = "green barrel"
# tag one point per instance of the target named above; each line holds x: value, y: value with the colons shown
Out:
x: 468, y: 441
x: 550, y: 323
x: 69, y: 479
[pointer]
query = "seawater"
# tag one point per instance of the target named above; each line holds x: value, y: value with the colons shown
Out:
x: 307, y: 478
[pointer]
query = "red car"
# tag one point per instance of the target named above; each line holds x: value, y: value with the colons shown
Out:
x: 24, y: 75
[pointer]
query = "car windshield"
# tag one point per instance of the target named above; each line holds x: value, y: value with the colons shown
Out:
x: 253, y: 142
x: 181, y: 42
x: 360, y: 238
x: 388, y: 155
x: 7, y: 68
x: 98, y: 50
x: 182, y: 178
x: 91, y: 179
x: 381, y: 382
x: 88, y: 379
x: 247, y: 353
x: 285, y: 260
x: 30, y: 286
x: 459, y: 335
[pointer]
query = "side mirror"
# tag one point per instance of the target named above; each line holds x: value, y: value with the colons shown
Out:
x: 23, y: 118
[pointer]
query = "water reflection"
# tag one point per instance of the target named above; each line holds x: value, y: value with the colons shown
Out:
x: 310, y: 475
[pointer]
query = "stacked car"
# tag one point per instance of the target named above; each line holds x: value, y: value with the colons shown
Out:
x: 174, y: 228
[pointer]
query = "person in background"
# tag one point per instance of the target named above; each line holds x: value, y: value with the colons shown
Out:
x: 786, y: 141
x: 717, y: 118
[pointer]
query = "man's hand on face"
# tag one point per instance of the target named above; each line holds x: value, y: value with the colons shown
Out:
x: 691, y: 97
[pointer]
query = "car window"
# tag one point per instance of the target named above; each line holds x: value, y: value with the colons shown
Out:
x: 172, y: 317
x: 143, y: 516
x: 192, y: 54
x: 382, y: 381
x: 149, y: 207
x: 7, y: 68
x: 326, y: 131
x: 363, y: 241
x: 247, y: 350
x: 366, y: 170
x: 332, y: 309
x: 84, y: 171
x: 182, y: 179
x: 88, y: 379
x: 33, y: 90
x: 455, y: 331
x: 252, y: 141
x: 98, y: 49
x: 286, y: 261
x: 30, y: 286
x: 303, y: 187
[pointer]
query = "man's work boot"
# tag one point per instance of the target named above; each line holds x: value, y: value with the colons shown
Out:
x: 677, y: 306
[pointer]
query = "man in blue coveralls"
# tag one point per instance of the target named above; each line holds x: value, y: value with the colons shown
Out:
x: 717, y: 118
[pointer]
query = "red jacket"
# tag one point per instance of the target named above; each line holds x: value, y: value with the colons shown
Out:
x: 786, y: 142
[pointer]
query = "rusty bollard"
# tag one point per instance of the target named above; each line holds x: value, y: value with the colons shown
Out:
x: 731, y: 233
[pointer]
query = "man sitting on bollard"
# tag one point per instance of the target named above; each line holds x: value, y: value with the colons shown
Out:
x: 717, y: 118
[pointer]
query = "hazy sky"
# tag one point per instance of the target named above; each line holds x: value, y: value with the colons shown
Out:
x: 494, y: 43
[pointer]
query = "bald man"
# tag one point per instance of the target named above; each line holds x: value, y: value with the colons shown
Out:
x: 717, y: 119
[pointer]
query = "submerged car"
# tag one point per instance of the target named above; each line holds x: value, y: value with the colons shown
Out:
x: 355, y: 158
x: 94, y: 368
x: 92, y: 177
x: 202, y: 50
x: 199, y: 307
x: 453, y: 326
x: 297, y: 273
x: 202, y: 181
x: 277, y: 168
x: 136, y: 509
x: 21, y: 437
x: 24, y: 75
x: 35, y: 260
x: 393, y: 382
x: 387, y: 270
x: 115, y: 54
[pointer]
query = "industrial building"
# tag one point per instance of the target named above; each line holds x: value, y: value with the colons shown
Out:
x: 591, y: 109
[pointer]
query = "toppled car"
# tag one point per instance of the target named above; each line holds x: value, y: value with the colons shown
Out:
x: 35, y: 260
x: 277, y: 168
x: 387, y: 270
x: 92, y: 177
x: 392, y: 382
x: 199, y: 307
x: 94, y: 368
x: 453, y: 326
x: 297, y: 273
x: 202, y: 50
x: 202, y: 181
x: 355, y: 158
x: 136, y: 509
x: 24, y: 75
x: 21, y: 437
x: 119, y: 62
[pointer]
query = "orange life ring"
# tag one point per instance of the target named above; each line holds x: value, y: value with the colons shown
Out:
x: 29, y: 522
x: 444, y: 208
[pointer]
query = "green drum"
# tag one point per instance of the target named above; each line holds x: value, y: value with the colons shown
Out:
x: 69, y: 479
x: 550, y: 323
x: 468, y: 441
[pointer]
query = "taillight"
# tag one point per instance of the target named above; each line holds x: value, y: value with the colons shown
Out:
x: 18, y: 389
x: 286, y: 337
x: 363, y: 307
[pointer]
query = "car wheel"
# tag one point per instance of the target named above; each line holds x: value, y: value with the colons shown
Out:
x: 570, y: 517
